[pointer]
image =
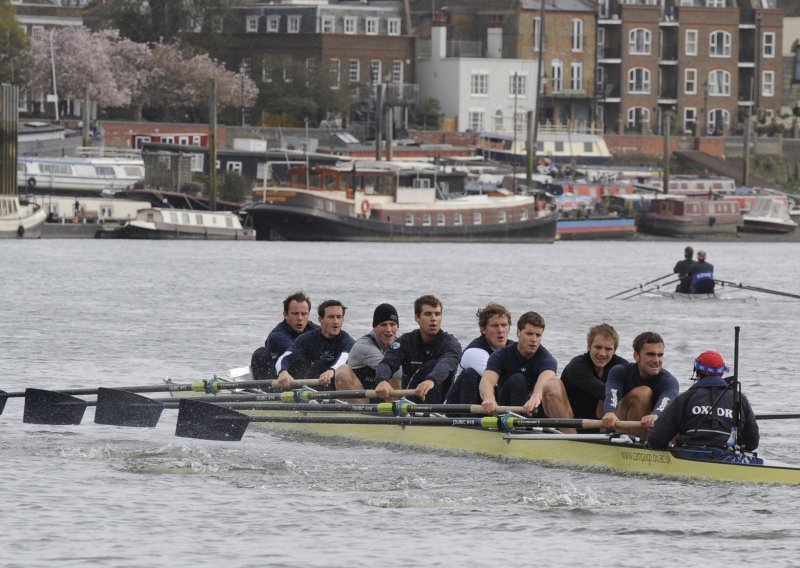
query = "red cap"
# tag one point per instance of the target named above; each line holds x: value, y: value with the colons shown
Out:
x: 711, y: 363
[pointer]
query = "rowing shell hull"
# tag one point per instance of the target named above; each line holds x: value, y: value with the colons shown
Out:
x: 595, y: 454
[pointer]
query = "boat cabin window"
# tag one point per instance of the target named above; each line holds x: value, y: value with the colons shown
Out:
x: 173, y: 217
x: 133, y: 171
x: 523, y: 215
x: 477, y: 218
x: 229, y: 221
x: 409, y: 219
x: 106, y: 211
x: 692, y: 208
x: 20, y: 167
x: 559, y: 146
x: 330, y: 206
x: 588, y: 147
x: 421, y: 182
x: 441, y: 220
x: 458, y: 219
x: 185, y: 219
x: 56, y: 169
x: 234, y: 167
x: 502, y: 217
x: 426, y: 220
x: 105, y: 171
x: 151, y: 218
x: 199, y: 218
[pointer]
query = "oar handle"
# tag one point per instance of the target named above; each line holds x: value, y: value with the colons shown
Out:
x: 595, y: 424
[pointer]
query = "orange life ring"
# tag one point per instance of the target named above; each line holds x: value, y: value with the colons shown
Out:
x: 365, y: 207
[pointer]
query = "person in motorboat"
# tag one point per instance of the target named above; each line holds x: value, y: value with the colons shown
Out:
x: 296, y: 309
x: 682, y: 270
x: 524, y: 374
x: 428, y: 356
x: 585, y: 375
x: 703, y: 416
x: 367, y: 353
x: 318, y: 353
x: 701, y: 275
x: 494, y: 323
x: 640, y: 390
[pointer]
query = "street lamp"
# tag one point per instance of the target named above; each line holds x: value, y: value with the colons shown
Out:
x: 242, y: 71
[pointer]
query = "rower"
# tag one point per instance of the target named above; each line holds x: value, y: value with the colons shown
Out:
x: 682, y: 270
x: 701, y: 275
x: 640, y: 390
x: 704, y: 415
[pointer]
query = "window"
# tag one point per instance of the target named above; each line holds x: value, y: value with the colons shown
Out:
x: 796, y: 77
x: 409, y: 219
x: 371, y: 26
x: 523, y: 215
x: 266, y: 70
x: 639, y: 41
x: 577, y: 75
x: 37, y: 33
x: 605, y: 8
x: 397, y: 71
x: 328, y: 24
x: 336, y: 73
x: 502, y: 217
x: 458, y: 219
x: 499, y: 119
x: 251, y: 24
x: 639, y: 80
x: 716, y: 3
x: 601, y: 40
x: 638, y: 116
x: 691, y: 42
x: 198, y: 218
x: 477, y: 218
x: 719, y: 83
x: 375, y: 71
x: 517, y: 85
x: 441, y: 219
x: 719, y: 44
x: 557, y: 75
x: 689, y: 120
x: 393, y: 26
x: 768, y: 84
x: 354, y: 71
x: 426, y: 219
x: 293, y: 24
x: 350, y: 25
x: 476, y: 121
x: 559, y: 146
x: 538, y: 39
x: 718, y: 119
x: 768, y: 45
x: 273, y: 24
x: 479, y: 84
x: 577, y: 35
x: 690, y: 82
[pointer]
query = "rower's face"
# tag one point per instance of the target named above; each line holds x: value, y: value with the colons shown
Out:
x: 528, y: 339
x: 386, y: 332
x: 496, y: 331
x: 429, y: 319
x: 601, y: 351
x: 297, y: 316
x: 650, y: 359
x: 333, y: 320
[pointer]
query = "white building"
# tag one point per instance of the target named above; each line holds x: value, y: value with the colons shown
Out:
x: 482, y: 94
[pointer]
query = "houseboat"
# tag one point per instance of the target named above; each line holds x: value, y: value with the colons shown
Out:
x: 91, y: 171
x: 768, y: 214
x: 71, y: 217
x: 161, y: 223
x: 20, y: 220
x: 392, y: 201
x: 558, y: 145
x: 691, y: 216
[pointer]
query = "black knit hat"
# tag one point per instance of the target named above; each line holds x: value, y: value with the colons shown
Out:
x: 688, y: 252
x: 385, y: 312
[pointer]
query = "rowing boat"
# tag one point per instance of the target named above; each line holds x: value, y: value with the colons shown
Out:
x: 602, y: 452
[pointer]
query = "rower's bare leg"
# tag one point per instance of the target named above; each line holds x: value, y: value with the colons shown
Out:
x: 345, y: 379
x: 635, y: 405
x: 556, y: 404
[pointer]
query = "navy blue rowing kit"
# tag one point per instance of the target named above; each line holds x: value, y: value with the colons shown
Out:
x: 262, y: 362
x: 518, y: 375
x: 625, y: 377
x: 312, y: 354
x: 465, y: 389
x: 584, y: 387
x: 703, y: 416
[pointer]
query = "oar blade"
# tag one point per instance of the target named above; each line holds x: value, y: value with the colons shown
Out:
x: 209, y: 421
x: 122, y: 408
x: 3, y: 400
x: 50, y: 407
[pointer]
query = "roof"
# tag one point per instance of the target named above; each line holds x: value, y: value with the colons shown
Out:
x: 558, y: 5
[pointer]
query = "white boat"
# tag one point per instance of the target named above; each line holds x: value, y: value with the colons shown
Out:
x: 91, y: 170
x: 18, y: 220
x: 164, y: 223
x: 560, y: 144
x: 768, y: 214
x: 70, y: 217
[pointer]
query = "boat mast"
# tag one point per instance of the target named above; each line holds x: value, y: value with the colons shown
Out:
x: 212, y: 148
x: 532, y: 142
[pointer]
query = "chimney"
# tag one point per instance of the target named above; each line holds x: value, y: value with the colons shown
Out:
x: 439, y: 42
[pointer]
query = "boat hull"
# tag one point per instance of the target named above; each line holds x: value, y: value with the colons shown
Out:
x: 304, y: 224
x: 548, y: 449
x: 20, y: 221
x: 588, y: 229
x: 143, y: 230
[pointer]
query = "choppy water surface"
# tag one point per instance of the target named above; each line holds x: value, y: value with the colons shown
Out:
x: 118, y: 313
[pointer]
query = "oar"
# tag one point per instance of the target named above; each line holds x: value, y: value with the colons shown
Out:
x: 122, y: 408
x: 208, y: 386
x: 640, y: 286
x: 777, y: 416
x: 757, y: 289
x: 651, y: 289
x: 214, y: 422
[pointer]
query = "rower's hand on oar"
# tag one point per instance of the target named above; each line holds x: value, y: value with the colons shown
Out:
x: 649, y: 421
x: 384, y: 390
x: 489, y: 406
x: 532, y: 405
x: 326, y: 378
x: 285, y: 380
x: 424, y: 388
x: 610, y: 420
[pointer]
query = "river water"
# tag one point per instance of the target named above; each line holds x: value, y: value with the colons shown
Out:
x: 120, y: 313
